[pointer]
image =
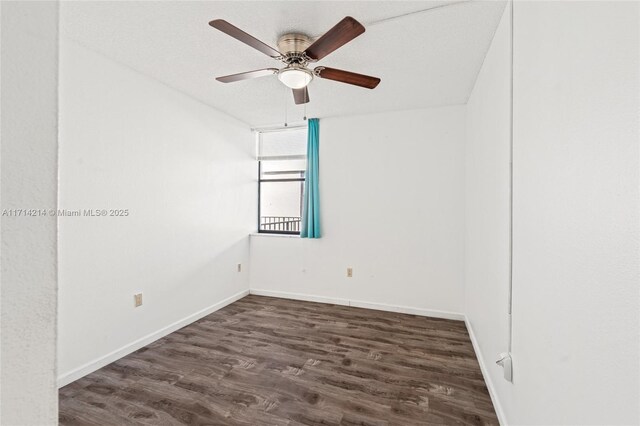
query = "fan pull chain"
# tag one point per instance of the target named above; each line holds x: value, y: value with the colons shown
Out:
x: 285, y: 108
x: 305, y: 110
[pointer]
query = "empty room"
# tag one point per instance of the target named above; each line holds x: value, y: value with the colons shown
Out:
x: 254, y: 213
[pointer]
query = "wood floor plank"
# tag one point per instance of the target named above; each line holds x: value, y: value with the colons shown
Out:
x: 269, y: 361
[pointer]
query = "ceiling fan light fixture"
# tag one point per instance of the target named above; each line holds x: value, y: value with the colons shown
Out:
x: 295, y: 77
x: 297, y: 51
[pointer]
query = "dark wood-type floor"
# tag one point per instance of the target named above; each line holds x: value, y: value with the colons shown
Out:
x: 267, y: 361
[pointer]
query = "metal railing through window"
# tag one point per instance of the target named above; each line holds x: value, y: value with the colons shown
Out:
x: 284, y: 224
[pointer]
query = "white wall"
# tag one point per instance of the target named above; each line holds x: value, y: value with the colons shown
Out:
x: 392, y: 206
x: 29, y: 166
x: 187, y: 175
x: 487, y: 205
x: 576, y: 199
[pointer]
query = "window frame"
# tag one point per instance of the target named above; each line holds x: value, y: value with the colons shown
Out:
x: 261, y: 180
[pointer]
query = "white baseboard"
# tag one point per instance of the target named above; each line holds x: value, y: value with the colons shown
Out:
x: 485, y: 373
x: 299, y: 296
x: 360, y: 304
x: 98, y: 363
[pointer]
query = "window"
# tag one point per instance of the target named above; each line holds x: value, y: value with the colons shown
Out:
x: 282, y: 160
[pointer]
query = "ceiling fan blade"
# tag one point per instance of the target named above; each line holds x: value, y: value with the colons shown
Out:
x: 342, y: 33
x: 247, y: 75
x: 347, y: 77
x: 300, y: 96
x: 238, y: 34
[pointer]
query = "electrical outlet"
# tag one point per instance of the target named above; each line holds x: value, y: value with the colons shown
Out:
x: 239, y: 267
x: 349, y: 272
x: 137, y: 298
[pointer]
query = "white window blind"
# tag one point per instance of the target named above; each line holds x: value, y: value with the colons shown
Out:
x: 286, y: 145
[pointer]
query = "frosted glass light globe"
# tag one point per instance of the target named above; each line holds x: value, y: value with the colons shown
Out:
x: 295, y: 78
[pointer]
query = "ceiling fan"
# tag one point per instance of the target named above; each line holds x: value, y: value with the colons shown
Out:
x: 297, y: 51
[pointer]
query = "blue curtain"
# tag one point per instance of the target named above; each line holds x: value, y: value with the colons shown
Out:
x: 311, y: 201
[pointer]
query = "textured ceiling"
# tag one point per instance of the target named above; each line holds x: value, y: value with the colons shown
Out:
x: 427, y: 53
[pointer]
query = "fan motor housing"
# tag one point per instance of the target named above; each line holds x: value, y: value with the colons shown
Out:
x: 293, y: 43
